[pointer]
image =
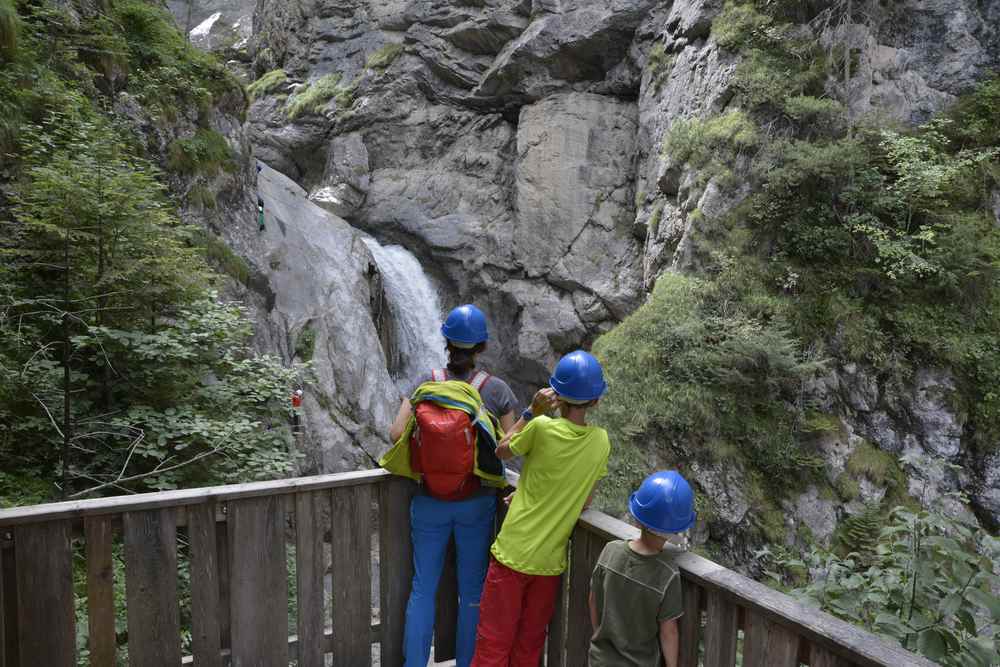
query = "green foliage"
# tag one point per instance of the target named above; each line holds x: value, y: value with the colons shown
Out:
x: 712, y: 146
x: 659, y: 64
x: 313, y: 97
x: 206, y: 153
x: 740, y: 24
x: 221, y: 256
x: 654, y: 218
x: 305, y: 344
x: 200, y: 195
x: 922, y: 583
x: 8, y: 29
x: 384, y: 57
x: 266, y: 84
x: 702, y: 365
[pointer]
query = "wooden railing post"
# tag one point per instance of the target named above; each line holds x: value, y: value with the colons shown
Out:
x: 100, y: 591
x: 396, y: 565
x: 310, y: 569
x: 8, y: 601
x: 206, y: 634
x: 46, y: 621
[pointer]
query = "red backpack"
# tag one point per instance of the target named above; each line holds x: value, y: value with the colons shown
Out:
x: 443, y: 446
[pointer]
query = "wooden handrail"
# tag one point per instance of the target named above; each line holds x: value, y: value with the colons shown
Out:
x: 75, y: 509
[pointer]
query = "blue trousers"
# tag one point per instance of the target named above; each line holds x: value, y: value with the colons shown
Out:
x: 432, y: 524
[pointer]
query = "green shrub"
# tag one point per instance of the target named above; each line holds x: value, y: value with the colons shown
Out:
x: 205, y: 153
x: 740, y: 24
x: 266, y: 84
x: 314, y: 96
x: 654, y: 218
x: 921, y: 582
x: 659, y: 64
x: 384, y: 57
x: 222, y: 257
x: 199, y: 195
x: 305, y: 344
x: 699, y: 141
x: 702, y: 364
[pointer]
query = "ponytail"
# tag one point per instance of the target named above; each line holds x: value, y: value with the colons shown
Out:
x: 461, y: 360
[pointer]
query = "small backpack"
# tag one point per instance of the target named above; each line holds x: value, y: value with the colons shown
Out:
x: 443, y: 446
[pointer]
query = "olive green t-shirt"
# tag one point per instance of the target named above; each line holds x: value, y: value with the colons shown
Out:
x: 562, y: 462
x: 634, y: 593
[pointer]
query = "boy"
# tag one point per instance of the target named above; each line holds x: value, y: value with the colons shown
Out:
x: 635, y: 591
x: 563, y: 459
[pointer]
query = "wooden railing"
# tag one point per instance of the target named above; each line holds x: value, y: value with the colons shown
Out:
x: 218, y: 561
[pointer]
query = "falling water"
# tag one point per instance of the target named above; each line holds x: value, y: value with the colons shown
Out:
x: 415, y: 312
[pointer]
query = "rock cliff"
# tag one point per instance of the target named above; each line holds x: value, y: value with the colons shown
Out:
x: 516, y: 147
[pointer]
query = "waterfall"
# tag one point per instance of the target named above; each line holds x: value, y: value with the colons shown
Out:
x: 416, y: 312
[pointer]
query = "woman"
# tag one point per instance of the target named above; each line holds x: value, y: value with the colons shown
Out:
x: 433, y: 521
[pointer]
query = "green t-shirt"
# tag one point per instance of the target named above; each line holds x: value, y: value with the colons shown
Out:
x: 634, y: 593
x: 562, y: 462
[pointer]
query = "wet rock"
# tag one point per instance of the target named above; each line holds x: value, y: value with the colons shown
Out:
x: 346, y: 179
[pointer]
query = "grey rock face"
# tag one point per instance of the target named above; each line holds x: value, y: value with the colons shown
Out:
x: 816, y: 513
x: 346, y: 179
x: 574, y: 196
x: 915, y: 57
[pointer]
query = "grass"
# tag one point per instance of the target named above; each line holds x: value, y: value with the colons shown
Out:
x: 659, y: 65
x: 204, y: 153
x: 654, y: 219
x: 266, y: 84
x: 313, y: 97
x: 199, y: 195
x: 384, y: 57
x: 305, y: 344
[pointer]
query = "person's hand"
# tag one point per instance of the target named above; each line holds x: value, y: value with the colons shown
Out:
x: 544, y: 401
x: 509, y: 497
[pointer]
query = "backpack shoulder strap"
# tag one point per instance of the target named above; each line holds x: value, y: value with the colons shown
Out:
x: 438, y: 375
x: 479, y: 380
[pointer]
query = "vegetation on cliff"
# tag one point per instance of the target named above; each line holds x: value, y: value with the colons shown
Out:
x: 120, y: 369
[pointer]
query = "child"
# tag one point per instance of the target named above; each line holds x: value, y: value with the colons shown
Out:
x: 635, y: 591
x: 563, y: 459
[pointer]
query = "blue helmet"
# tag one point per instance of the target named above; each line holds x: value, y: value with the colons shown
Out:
x: 465, y: 326
x: 578, y: 378
x: 664, y: 503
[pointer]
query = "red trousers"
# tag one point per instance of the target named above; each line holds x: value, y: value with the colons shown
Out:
x: 514, y: 615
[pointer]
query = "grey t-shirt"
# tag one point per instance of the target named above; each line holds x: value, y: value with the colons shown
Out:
x: 497, y: 396
x: 634, y: 593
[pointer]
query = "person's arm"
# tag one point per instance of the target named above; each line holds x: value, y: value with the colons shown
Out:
x: 542, y: 402
x: 590, y: 498
x: 593, y: 614
x: 670, y: 642
x: 399, y: 424
x: 507, y: 421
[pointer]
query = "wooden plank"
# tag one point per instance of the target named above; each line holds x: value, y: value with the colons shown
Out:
x: 822, y: 657
x: 154, y: 632
x: 720, y: 631
x: 46, y: 621
x: 768, y: 644
x: 310, y: 569
x: 258, y: 586
x: 222, y: 562
x: 76, y: 509
x: 8, y: 612
x: 578, y: 615
x: 395, y: 564
x: 690, y: 625
x: 206, y: 642
x: 446, y: 608
x: 555, y: 650
x: 351, y: 552
x: 103, y: 642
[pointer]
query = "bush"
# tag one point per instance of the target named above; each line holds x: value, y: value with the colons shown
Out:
x: 266, y: 84
x: 922, y: 584
x: 205, y: 153
x: 705, y: 363
x: 384, y: 57
x: 313, y: 97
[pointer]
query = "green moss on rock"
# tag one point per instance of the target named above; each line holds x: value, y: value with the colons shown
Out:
x: 266, y: 84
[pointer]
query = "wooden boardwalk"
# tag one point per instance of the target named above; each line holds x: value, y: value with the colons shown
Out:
x: 220, y: 559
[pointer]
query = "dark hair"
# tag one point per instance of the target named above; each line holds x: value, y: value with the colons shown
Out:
x: 461, y: 360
